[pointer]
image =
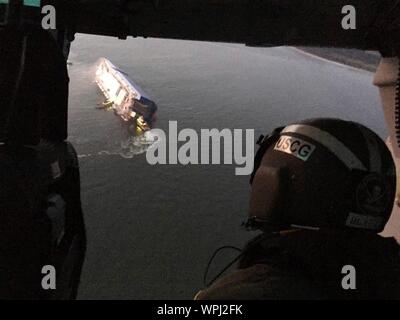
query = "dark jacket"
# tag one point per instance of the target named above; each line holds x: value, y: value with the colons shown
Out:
x: 308, y: 265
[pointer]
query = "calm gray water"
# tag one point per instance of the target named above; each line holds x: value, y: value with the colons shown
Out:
x: 151, y: 230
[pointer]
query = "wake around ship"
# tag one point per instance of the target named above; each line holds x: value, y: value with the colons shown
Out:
x: 127, y: 99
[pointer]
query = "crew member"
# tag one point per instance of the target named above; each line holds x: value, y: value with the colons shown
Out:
x: 322, y: 191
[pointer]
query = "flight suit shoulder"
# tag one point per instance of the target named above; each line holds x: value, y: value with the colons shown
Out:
x: 258, y: 282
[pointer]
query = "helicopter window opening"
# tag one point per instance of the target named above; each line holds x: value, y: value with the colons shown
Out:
x: 4, y: 1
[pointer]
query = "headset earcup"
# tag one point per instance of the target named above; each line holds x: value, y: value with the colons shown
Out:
x: 268, y: 195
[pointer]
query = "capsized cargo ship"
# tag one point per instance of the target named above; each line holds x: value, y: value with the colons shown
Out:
x: 127, y: 99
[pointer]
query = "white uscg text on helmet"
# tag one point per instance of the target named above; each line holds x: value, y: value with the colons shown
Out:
x: 295, y: 147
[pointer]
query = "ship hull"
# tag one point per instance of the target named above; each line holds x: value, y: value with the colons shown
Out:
x: 126, y: 98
